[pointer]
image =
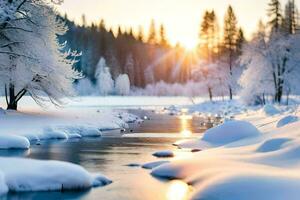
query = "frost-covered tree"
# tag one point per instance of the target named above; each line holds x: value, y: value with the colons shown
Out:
x: 104, y: 80
x: 230, y: 43
x: 272, y: 66
x: 31, y: 59
x: 123, y: 85
x: 129, y: 67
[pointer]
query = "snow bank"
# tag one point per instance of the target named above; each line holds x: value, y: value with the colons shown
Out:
x: 229, y: 132
x: 35, y: 175
x: 270, y: 110
x: 13, y: 142
x: 249, y: 187
x: 287, y: 120
x: 163, y: 154
x: 250, y: 166
x: 152, y: 165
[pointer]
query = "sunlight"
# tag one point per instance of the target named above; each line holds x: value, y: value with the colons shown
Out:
x: 189, y: 44
x: 178, y: 190
x: 184, y: 120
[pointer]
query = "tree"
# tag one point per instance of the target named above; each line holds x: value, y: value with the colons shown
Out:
x: 209, y: 39
x: 152, y: 35
x: 123, y: 85
x: 32, y: 61
x: 230, y: 42
x: 274, y: 13
x: 290, y: 17
x: 104, y: 80
x: 163, y: 40
x: 129, y: 67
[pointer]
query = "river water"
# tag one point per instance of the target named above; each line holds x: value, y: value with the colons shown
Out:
x: 111, y: 157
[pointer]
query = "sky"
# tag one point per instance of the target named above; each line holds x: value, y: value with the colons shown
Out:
x: 181, y: 18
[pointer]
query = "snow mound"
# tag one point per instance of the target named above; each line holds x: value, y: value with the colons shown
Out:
x: 152, y: 165
x: 35, y: 175
x: 230, y: 131
x: 273, y: 144
x: 13, y: 142
x: 53, y: 133
x: 287, y: 120
x: 163, y: 154
x: 270, y: 110
x: 100, y: 180
x: 249, y: 187
x: 84, y: 131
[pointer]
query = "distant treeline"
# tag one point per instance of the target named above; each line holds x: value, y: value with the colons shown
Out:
x: 145, y: 59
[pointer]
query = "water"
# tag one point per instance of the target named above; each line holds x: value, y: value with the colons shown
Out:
x: 111, y: 156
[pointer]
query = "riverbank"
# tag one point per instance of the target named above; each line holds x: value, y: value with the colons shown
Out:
x: 253, y: 156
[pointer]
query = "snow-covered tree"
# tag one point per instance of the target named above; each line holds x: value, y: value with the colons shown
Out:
x: 129, y: 67
x: 104, y: 80
x: 123, y: 85
x: 31, y: 59
x: 272, y: 66
x: 85, y: 87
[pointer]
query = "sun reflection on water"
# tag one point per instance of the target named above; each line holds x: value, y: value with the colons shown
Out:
x: 178, y: 190
x: 185, y: 121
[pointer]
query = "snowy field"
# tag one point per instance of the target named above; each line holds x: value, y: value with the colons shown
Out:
x: 254, y: 154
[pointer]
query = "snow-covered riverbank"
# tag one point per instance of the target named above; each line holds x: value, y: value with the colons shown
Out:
x: 254, y: 156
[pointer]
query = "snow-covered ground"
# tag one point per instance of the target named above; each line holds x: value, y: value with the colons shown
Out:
x: 256, y: 155
x: 78, y: 119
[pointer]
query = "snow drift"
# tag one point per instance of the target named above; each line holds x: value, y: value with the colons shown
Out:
x: 22, y: 175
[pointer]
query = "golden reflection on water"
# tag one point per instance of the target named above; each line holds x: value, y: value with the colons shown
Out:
x: 177, y: 190
x: 185, y: 121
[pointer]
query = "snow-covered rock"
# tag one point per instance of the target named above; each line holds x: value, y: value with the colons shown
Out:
x: 230, y: 131
x: 163, y: 154
x: 13, y: 142
x: 33, y: 175
x: 152, y: 165
x: 287, y: 120
x: 270, y: 110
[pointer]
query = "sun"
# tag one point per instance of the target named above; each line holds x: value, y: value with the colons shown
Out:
x: 189, y: 44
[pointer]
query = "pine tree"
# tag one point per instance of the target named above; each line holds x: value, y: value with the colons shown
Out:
x: 290, y: 21
x: 209, y: 35
x: 163, y: 40
x: 152, y: 36
x: 275, y: 15
x: 230, y: 42
x: 140, y: 36
x: 240, y: 41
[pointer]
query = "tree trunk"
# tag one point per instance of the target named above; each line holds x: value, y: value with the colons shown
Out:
x: 210, y: 94
x: 12, y: 99
x: 230, y: 93
x: 12, y: 104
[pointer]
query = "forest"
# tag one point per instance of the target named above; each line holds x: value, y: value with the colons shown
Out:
x: 223, y: 63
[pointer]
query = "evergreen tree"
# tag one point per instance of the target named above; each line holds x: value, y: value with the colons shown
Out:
x: 163, y: 40
x: 290, y: 18
x: 230, y: 42
x: 275, y: 15
x: 152, y: 35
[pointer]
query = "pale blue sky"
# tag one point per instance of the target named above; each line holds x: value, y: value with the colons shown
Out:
x: 181, y: 17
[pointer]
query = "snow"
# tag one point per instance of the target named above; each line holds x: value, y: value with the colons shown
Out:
x: 287, y: 120
x: 229, y: 132
x: 154, y: 164
x: 13, y: 142
x: 162, y: 154
x: 35, y: 175
x: 247, y: 158
x: 270, y: 110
